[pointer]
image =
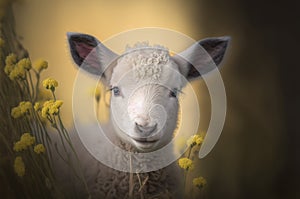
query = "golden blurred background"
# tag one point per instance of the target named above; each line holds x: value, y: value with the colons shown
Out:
x: 257, y: 154
x: 44, y: 29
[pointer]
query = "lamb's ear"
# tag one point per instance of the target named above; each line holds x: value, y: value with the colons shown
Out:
x: 91, y: 55
x: 202, y: 57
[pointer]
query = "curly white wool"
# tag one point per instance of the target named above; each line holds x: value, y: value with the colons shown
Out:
x: 147, y: 60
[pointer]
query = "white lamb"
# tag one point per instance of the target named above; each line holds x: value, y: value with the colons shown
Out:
x: 145, y: 82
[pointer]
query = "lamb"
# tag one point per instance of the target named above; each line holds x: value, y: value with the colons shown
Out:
x: 145, y: 83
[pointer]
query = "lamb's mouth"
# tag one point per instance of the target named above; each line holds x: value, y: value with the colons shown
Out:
x: 144, y: 142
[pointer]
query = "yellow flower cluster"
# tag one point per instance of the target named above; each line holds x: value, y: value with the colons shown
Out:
x: 186, y: 163
x: 51, y: 107
x: 40, y: 64
x: 50, y: 83
x: 19, y: 166
x: 17, y: 73
x: 199, y: 182
x: 194, y: 140
x: 16, y: 70
x: 25, y: 141
x: 102, y: 98
x: 23, y: 108
x: 39, y: 148
x: 97, y: 94
x: 25, y: 63
x: 37, y: 106
x: 11, y: 59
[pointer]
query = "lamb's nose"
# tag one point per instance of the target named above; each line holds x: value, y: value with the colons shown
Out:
x: 145, y: 128
x: 142, y: 120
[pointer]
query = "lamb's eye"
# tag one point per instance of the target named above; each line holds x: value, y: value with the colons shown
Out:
x: 173, y: 93
x: 116, y: 91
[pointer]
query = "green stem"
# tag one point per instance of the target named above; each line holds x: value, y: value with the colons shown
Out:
x: 67, y: 137
x: 51, y: 175
x: 32, y: 87
x: 37, y: 75
x: 189, y: 153
x: 36, y: 166
x: 186, y: 171
x: 43, y: 130
x: 54, y: 97
x: 25, y: 82
x: 184, y: 181
x: 131, y: 185
x: 60, y: 136
x: 33, y: 126
x: 63, y: 132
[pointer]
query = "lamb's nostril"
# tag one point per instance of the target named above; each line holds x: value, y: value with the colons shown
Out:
x: 142, y: 120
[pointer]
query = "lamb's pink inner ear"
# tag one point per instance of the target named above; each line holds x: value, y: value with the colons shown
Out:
x: 86, y: 51
x: 83, y: 49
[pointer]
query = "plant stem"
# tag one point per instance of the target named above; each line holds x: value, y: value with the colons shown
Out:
x: 32, y: 87
x: 131, y: 185
x: 186, y: 171
x: 37, y: 75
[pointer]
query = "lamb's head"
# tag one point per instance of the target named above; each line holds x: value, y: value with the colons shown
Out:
x: 145, y: 83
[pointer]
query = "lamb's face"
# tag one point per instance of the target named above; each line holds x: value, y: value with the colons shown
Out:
x: 145, y: 83
x: 144, y: 105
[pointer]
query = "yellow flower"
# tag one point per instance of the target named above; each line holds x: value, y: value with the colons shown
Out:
x: 8, y: 69
x: 25, y: 141
x: 37, y: 106
x: 19, y: 146
x: 97, y: 94
x: 50, y: 83
x: 51, y: 107
x: 16, y: 112
x: 99, y: 91
x: 14, y: 70
x: 23, y: 108
x: 25, y: 63
x: 186, y: 163
x: 17, y: 72
x: 102, y: 98
x: 54, y: 109
x: 194, y: 140
x: 45, y: 110
x: 19, y: 166
x: 11, y: 59
x: 39, y: 149
x: 199, y: 182
x: 40, y: 64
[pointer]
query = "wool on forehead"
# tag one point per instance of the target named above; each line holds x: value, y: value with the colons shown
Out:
x: 146, y: 60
